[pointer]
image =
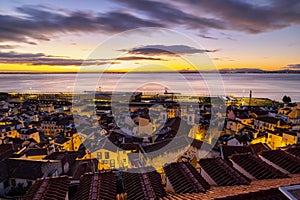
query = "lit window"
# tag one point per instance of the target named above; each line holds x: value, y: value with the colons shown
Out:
x: 112, y: 163
x: 104, y: 161
x: 106, y: 154
x: 99, y: 155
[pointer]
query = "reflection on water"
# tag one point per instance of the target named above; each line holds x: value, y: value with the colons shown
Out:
x: 272, y: 86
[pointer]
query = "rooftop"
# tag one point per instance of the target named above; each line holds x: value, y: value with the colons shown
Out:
x: 28, y: 169
x: 147, y: 185
x: 224, y: 191
x: 49, y: 188
x: 185, y: 179
x: 95, y: 186
x: 222, y: 173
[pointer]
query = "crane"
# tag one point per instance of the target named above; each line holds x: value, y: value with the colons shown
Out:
x: 172, y: 93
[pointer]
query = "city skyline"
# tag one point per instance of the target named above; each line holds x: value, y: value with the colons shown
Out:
x: 59, y: 36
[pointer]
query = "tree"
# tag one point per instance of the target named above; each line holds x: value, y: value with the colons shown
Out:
x: 286, y: 99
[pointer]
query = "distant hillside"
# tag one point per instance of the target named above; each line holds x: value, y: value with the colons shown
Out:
x: 256, y: 70
x: 242, y: 70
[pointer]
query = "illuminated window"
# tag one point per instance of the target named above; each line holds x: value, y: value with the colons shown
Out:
x: 104, y: 161
x: 99, y: 155
x: 112, y: 163
x: 106, y: 154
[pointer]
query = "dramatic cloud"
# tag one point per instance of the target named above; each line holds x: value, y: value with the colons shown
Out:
x: 250, y: 17
x: 172, y: 15
x: 292, y: 66
x: 39, y: 23
x: 35, y: 23
x: 172, y: 50
x: 236, y: 15
x: 135, y: 58
x: 14, y: 55
x: 42, y: 59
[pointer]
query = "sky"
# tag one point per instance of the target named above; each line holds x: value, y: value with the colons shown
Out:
x: 114, y: 35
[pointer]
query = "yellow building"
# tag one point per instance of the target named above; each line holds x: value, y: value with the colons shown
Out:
x: 30, y: 133
x: 233, y: 126
x: 110, y: 157
x: 52, y: 128
x: 291, y: 109
x: 269, y: 123
x: 173, y: 112
x: 73, y: 143
x: 198, y: 132
x: 10, y: 133
x: 290, y: 138
x: 277, y: 139
x: 262, y: 139
x: 274, y: 140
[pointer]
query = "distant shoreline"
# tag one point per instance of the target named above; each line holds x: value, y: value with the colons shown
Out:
x: 170, y: 72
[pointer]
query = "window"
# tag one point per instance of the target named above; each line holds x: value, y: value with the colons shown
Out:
x: 104, y: 161
x: 99, y: 155
x: 106, y: 154
x: 112, y: 163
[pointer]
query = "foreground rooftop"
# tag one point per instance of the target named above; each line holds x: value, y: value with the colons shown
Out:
x: 225, y: 191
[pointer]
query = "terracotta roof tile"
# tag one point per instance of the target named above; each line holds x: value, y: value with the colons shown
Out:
x: 259, y: 147
x: 228, y: 151
x: 185, y: 178
x: 143, y: 185
x: 81, y: 167
x: 224, y: 191
x: 256, y: 167
x: 295, y: 151
x: 29, y: 169
x: 270, y: 194
x: 222, y: 173
x: 48, y: 188
x: 96, y: 186
x: 284, y: 160
x: 6, y: 150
